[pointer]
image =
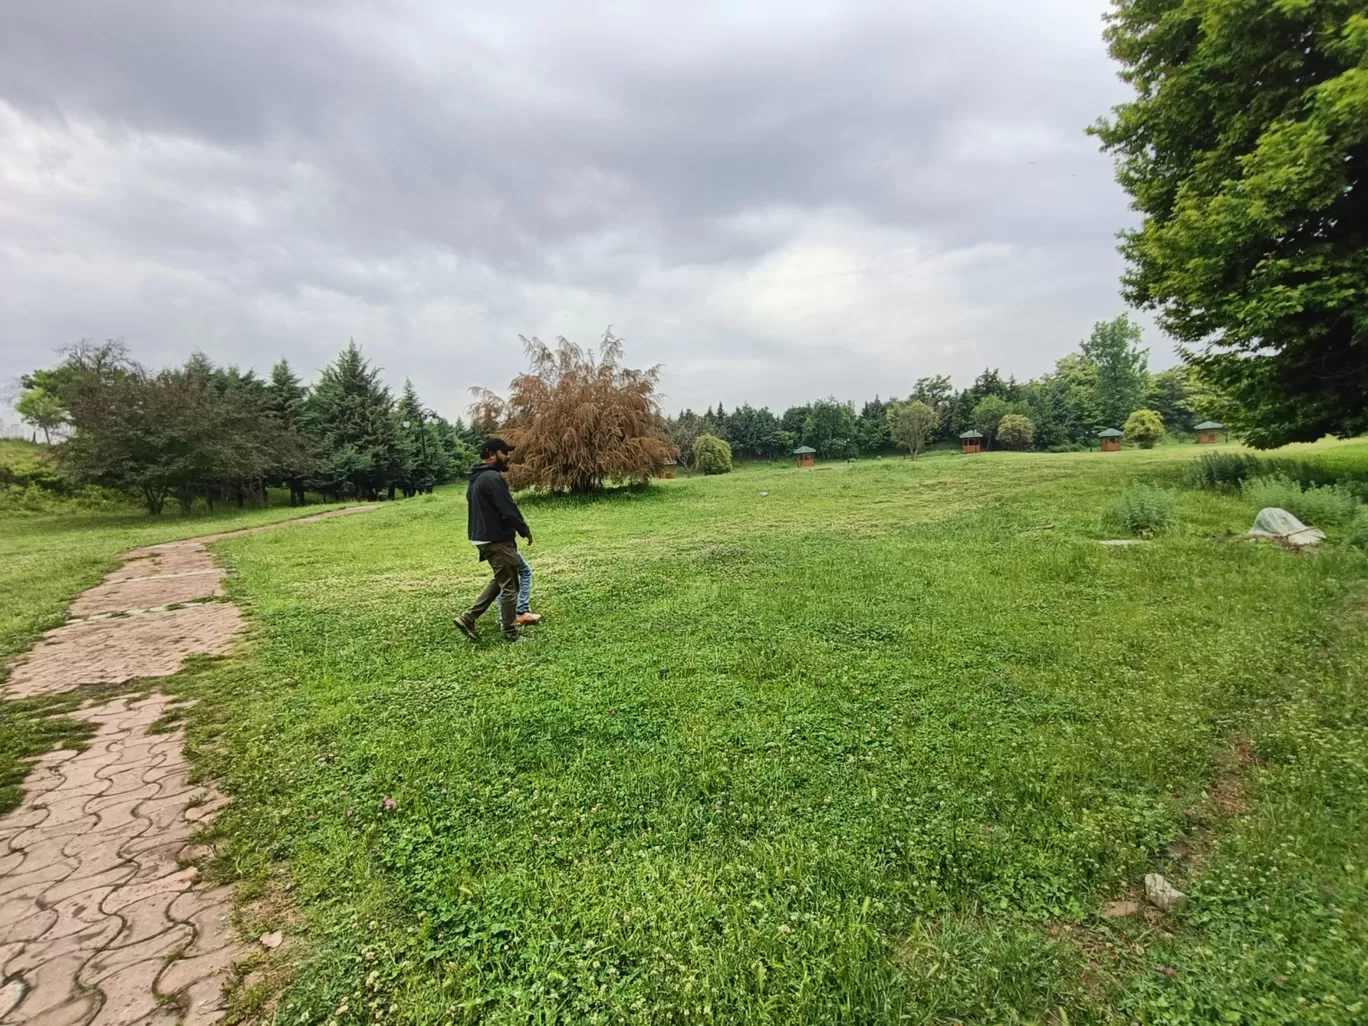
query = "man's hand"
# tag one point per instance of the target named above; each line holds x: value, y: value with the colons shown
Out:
x: 529, y: 539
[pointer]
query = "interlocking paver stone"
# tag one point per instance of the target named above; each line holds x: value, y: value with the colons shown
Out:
x: 120, y: 649
x: 93, y: 899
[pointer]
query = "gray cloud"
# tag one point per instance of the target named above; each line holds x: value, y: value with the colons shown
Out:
x: 775, y: 201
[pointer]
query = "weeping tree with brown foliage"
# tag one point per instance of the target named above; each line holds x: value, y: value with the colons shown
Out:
x: 579, y: 420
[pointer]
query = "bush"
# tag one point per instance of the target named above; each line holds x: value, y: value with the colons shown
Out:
x: 1144, y: 428
x: 1015, y: 431
x: 1317, y: 506
x: 712, y: 455
x: 1228, y: 471
x: 1358, y: 529
x: 32, y: 498
x: 23, y: 464
x: 1141, y: 510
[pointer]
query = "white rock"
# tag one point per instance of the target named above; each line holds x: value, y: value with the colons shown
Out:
x: 1280, y: 525
x: 1163, y: 894
x: 271, y: 941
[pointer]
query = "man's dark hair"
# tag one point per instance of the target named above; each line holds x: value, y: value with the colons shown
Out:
x: 493, y: 445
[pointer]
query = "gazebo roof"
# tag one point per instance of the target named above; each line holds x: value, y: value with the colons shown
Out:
x: 804, y: 450
x: 1110, y: 433
x: 972, y: 434
x: 1208, y: 425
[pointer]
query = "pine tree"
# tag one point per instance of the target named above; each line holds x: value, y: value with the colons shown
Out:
x: 351, y: 414
x: 424, y: 458
x: 287, y: 392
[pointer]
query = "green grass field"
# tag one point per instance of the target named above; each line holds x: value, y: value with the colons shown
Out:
x: 874, y: 747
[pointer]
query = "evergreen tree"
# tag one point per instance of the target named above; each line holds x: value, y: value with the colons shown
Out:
x: 425, y: 462
x: 286, y: 392
x: 351, y: 414
x: 794, y: 420
x: 872, y: 429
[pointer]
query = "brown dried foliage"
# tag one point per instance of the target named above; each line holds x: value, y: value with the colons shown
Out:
x: 579, y: 420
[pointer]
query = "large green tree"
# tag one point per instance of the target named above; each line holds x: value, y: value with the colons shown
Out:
x: 43, y: 409
x: 830, y: 429
x: 1122, y: 368
x: 988, y: 414
x: 1244, y: 150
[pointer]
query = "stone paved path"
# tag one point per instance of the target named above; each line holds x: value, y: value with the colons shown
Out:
x: 101, y: 923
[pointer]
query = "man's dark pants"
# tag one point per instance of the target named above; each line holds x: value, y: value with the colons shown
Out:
x: 502, y: 558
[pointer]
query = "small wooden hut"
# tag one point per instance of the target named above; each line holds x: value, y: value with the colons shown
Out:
x: 1209, y: 432
x: 971, y: 441
x: 805, y: 456
x: 1111, y: 439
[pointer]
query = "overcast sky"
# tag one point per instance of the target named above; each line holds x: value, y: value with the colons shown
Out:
x: 776, y: 201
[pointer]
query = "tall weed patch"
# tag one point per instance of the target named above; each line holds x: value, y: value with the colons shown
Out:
x: 1229, y: 471
x: 1324, y: 505
x: 1141, y: 510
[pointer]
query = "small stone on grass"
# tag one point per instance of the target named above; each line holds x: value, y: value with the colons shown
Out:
x: 1164, y: 895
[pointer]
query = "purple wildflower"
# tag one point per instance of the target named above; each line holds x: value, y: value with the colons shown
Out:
x: 390, y: 803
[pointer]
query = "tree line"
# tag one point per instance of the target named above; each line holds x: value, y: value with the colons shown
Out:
x: 1105, y: 383
x: 203, y: 433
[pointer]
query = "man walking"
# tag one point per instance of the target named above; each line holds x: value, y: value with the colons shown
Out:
x: 493, y: 524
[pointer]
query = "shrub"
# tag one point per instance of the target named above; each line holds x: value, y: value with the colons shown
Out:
x: 1358, y: 529
x: 1144, y: 428
x: 1318, y: 506
x: 32, y: 498
x: 712, y: 455
x: 23, y: 464
x: 1015, y: 431
x: 1228, y: 471
x: 1141, y: 510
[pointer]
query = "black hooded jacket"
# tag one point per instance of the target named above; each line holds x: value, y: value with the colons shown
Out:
x: 492, y: 515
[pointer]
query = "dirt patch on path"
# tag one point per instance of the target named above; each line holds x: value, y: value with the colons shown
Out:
x: 100, y: 921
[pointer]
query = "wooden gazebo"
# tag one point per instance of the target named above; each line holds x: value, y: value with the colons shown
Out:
x: 805, y: 455
x: 667, y: 472
x: 1209, y: 432
x: 971, y: 441
x: 1111, y: 439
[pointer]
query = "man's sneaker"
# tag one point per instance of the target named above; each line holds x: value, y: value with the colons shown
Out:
x: 528, y: 619
x: 468, y: 629
x: 517, y: 639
